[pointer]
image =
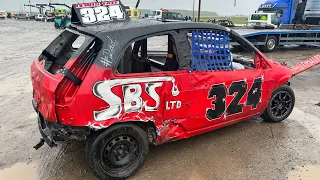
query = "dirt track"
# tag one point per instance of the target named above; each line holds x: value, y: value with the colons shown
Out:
x: 248, y: 150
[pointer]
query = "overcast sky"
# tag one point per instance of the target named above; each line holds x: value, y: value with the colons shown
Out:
x: 222, y: 7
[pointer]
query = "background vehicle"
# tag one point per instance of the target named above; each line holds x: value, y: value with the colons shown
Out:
x: 61, y: 16
x: 61, y: 22
x: 133, y: 12
x: 25, y: 16
x: 293, y: 11
x: 40, y: 17
x: 60, y: 12
x: 269, y: 40
x: 48, y: 14
x: 165, y: 15
x: 263, y: 21
x: 9, y: 15
x: 3, y: 15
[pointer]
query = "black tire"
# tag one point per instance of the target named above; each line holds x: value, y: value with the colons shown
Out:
x: 271, y: 44
x: 56, y: 25
x: 282, y: 100
x: 118, y: 152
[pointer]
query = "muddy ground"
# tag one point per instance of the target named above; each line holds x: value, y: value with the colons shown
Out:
x: 248, y: 150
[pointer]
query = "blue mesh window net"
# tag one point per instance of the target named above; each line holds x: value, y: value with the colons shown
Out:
x: 210, y: 51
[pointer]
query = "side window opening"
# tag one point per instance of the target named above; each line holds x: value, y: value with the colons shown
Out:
x: 274, y: 19
x: 154, y: 54
x: 217, y: 51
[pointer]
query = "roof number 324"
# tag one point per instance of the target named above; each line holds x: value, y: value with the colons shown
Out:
x: 102, y: 13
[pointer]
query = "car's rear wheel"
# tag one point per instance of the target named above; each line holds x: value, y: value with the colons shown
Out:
x: 281, y: 105
x: 117, y: 152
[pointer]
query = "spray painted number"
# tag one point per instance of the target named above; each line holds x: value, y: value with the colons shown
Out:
x: 238, y: 90
x: 102, y: 13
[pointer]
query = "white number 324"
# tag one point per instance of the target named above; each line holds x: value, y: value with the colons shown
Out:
x: 102, y: 13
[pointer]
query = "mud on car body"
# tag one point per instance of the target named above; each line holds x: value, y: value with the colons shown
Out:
x: 100, y: 81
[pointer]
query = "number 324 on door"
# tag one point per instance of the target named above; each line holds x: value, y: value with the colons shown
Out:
x: 101, y: 13
x: 237, y: 89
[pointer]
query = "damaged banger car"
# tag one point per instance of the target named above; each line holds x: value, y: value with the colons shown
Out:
x: 123, y: 85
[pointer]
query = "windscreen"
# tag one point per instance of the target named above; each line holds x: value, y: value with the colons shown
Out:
x: 152, y: 13
x: 257, y: 17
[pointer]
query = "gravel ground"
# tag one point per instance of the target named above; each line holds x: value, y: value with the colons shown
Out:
x: 248, y: 150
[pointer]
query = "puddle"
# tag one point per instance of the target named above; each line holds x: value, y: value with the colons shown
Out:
x: 196, y: 175
x: 19, y: 171
x: 305, y: 173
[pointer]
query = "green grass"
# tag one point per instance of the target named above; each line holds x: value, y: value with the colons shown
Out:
x: 235, y: 20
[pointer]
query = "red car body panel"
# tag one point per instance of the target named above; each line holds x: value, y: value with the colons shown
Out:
x: 44, y: 85
x: 177, y: 117
x: 179, y: 104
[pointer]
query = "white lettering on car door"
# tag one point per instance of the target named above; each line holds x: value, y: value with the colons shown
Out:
x: 151, y: 91
x: 131, y: 91
x: 132, y: 97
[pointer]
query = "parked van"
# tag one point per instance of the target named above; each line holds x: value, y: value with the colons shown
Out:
x: 3, y: 15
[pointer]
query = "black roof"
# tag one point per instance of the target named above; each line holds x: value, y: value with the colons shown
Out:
x: 137, y: 27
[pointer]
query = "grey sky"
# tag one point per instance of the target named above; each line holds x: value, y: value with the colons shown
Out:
x: 222, y: 7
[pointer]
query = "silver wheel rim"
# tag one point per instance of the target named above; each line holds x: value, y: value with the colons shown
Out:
x: 271, y: 44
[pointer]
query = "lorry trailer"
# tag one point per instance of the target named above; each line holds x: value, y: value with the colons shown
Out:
x: 269, y: 40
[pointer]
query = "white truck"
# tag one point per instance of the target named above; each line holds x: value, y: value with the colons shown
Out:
x: 263, y: 21
x: 3, y: 15
x: 165, y: 15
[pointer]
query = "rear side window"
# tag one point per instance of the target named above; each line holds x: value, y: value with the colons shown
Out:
x: 66, y: 46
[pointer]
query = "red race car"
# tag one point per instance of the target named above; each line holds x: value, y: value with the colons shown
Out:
x: 124, y: 84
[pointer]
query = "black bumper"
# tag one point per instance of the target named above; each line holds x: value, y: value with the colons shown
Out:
x: 54, y: 132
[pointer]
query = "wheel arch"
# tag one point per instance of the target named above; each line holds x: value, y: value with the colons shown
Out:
x: 284, y: 80
x: 147, y: 126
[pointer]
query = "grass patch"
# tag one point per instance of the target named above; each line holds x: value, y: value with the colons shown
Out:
x: 235, y: 20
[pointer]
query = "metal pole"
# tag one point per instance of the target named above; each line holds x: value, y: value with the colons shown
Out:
x: 193, y: 10
x: 30, y: 8
x: 199, y: 10
x: 50, y: 5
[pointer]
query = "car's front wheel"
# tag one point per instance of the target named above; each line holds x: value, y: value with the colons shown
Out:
x: 281, y: 104
x: 117, y: 152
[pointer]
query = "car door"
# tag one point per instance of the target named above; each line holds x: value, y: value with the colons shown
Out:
x: 153, y: 84
x: 234, y: 89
